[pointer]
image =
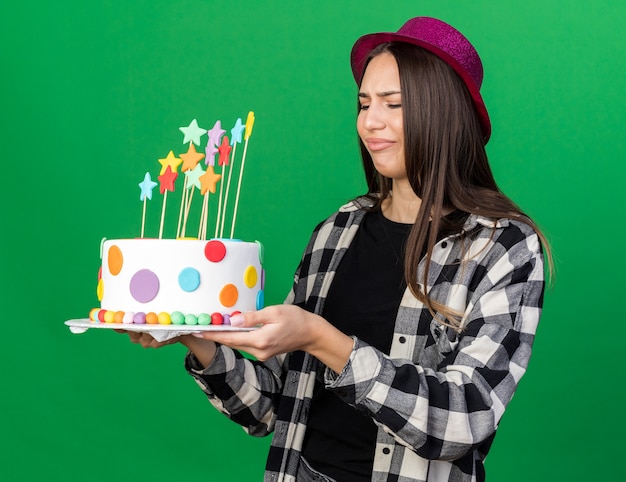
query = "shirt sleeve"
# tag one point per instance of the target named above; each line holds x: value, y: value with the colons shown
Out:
x: 246, y: 391
x: 442, y: 413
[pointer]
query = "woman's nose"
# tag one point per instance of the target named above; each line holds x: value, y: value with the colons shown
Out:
x: 373, y: 118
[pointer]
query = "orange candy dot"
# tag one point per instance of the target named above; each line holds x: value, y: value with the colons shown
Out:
x: 229, y: 295
x: 115, y: 260
x: 118, y: 317
x: 152, y: 318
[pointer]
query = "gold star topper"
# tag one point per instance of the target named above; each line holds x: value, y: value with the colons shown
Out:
x: 172, y: 161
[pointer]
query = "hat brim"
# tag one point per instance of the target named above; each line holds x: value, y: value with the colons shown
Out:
x: 364, y: 45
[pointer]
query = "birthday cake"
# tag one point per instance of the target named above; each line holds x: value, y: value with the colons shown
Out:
x: 185, y: 281
x: 178, y: 281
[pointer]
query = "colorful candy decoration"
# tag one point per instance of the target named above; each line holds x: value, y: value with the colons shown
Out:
x: 170, y: 161
x: 191, y: 158
x: 191, y: 161
x: 208, y: 183
x: 223, y: 162
x: 146, y: 186
x: 166, y: 180
x: 248, y: 133
x: 146, y: 281
x: 192, y: 179
x: 192, y: 132
x: 195, y: 177
x: 98, y: 315
x: 224, y: 150
x: 216, y: 134
x: 236, y: 133
x: 210, y: 152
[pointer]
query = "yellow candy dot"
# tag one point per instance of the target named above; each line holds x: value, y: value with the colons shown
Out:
x: 100, y: 290
x: 229, y: 295
x: 250, y: 277
x: 115, y: 260
x: 164, y: 318
x: 93, y: 314
x: 109, y: 316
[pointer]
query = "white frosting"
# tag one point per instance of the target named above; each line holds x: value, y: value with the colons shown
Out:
x: 166, y: 259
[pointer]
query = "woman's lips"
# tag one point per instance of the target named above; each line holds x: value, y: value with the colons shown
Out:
x: 377, y: 144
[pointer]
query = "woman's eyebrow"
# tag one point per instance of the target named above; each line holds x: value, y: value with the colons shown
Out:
x: 380, y: 94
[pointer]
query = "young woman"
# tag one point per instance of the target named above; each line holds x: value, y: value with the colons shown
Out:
x: 413, y: 310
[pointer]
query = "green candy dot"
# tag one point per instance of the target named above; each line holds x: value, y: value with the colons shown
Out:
x: 191, y: 320
x: 204, y: 319
x: 177, y: 318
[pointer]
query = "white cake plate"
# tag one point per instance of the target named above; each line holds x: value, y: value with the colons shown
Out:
x: 158, y: 332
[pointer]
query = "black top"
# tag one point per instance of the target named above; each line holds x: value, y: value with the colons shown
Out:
x: 363, y: 300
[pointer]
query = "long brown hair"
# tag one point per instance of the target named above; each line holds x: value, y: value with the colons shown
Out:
x: 446, y: 161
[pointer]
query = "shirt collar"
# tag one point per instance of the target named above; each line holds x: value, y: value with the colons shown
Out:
x: 474, y: 220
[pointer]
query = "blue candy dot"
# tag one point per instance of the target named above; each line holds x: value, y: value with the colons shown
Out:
x: 189, y: 279
x: 260, y: 300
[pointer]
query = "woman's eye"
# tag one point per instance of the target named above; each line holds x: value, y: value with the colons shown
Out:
x: 395, y: 106
x: 365, y: 107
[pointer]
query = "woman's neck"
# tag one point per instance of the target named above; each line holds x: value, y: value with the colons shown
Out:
x: 402, y: 205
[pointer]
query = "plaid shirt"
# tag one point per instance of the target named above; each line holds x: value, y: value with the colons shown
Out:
x: 438, y: 397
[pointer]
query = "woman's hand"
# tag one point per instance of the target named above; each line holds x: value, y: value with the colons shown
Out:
x: 283, y: 329
x: 146, y: 340
x: 204, y: 350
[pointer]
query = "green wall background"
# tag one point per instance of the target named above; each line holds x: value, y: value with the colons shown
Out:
x: 93, y: 93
